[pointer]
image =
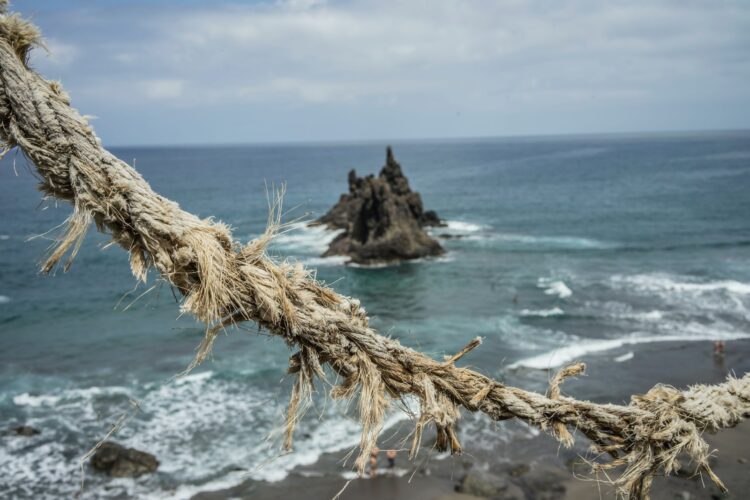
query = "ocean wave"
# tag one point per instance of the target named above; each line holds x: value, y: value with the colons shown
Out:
x: 522, y: 335
x: 4, y: 299
x: 193, y: 378
x: 302, y: 237
x: 193, y: 425
x: 648, y: 316
x: 446, y: 257
x: 396, y: 471
x: 27, y: 399
x: 554, y: 242
x: 458, y: 226
x: 4, y: 237
x: 484, y: 235
x: 554, y: 287
x: 334, y: 260
x: 563, y: 355
x: 542, y: 313
x: 664, y: 282
x: 71, y: 395
x: 624, y: 357
x: 624, y: 311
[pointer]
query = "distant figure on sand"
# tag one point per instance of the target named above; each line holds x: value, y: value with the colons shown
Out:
x: 719, y: 348
x: 391, y: 454
x: 374, y: 461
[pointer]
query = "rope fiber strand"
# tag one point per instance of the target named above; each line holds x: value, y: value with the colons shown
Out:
x: 223, y: 282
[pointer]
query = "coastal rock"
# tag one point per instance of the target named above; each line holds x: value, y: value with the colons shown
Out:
x: 546, y: 482
x: 480, y: 483
x: 25, y: 430
x: 382, y: 219
x: 338, y: 216
x: 118, y: 461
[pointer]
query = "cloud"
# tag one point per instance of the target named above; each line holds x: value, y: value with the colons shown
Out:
x: 163, y: 88
x: 483, y: 59
x: 459, y: 43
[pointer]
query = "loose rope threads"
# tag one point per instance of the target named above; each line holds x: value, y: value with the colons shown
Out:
x: 223, y: 282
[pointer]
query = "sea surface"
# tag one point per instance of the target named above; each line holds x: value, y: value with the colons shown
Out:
x: 561, y: 248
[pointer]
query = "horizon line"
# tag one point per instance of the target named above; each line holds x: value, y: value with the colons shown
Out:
x: 405, y: 140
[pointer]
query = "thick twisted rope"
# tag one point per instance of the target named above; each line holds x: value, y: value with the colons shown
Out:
x: 223, y: 282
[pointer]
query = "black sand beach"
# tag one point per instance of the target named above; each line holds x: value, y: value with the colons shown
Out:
x: 539, y: 467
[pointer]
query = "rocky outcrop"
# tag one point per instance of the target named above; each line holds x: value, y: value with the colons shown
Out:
x: 382, y: 218
x: 25, y: 430
x: 519, y: 482
x: 483, y: 484
x: 338, y: 216
x: 118, y: 461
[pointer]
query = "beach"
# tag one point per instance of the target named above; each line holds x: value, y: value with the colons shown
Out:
x: 539, y: 467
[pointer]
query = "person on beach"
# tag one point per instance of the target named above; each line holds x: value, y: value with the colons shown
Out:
x: 374, y: 461
x: 391, y: 454
x: 719, y: 348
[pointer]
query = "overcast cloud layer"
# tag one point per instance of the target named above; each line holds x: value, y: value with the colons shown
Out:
x: 217, y: 72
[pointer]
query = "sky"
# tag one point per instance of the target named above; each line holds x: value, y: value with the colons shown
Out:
x: 212, y: 72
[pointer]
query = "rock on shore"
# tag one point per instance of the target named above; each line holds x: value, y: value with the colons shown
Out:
x: 382, y: 218
x: 118, y: 461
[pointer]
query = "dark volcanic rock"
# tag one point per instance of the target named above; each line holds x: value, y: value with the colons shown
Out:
x: 484, y: 484
x: 546, y: 482
x: 339, y: 216
x: 382, y: 219
x: 25, y: 430
x: 118, y: 461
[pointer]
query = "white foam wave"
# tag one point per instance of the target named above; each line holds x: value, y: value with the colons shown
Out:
x: 523, y: 335
x: 554, y: 287
x: 447, y: 257
x: 624, y: 357
x: 379, y: 265
x: 27, y: 399
x: 564, y: 355
x: 563, y: 242
x: 66, y: 396
x: 302, y: 237
x: 4, y: 299
x: 4, y: 237
x: 186, y: 491
x: 543, y: 313
x: 663, y: 282
x: 334, y: 260
x: 396, y: 471
x: 194, y: 378
x: 184, y: 423
x: 458, y: 226
x: 649, y: 316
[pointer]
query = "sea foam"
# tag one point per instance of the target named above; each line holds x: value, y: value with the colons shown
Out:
x: 542, y: 313
x: 555, y: 287
x: 184, y: 423
x: 563, y: 355
x: 302, y: 237
x: 664, y: 282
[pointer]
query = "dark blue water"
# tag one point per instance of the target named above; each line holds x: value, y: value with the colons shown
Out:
x: 563, y: 248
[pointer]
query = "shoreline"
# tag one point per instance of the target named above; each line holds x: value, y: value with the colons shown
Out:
x: 538, y: 467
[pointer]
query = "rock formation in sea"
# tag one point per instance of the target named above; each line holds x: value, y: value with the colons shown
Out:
x: 382, y: 219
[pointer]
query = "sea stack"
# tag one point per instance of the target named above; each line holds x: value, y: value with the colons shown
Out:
x: 382, y: 219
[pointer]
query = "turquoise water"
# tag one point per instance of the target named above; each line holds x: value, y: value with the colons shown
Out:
x: 569, y: 247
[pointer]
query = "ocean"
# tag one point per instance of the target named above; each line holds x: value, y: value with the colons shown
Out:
x: 561, y: 248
